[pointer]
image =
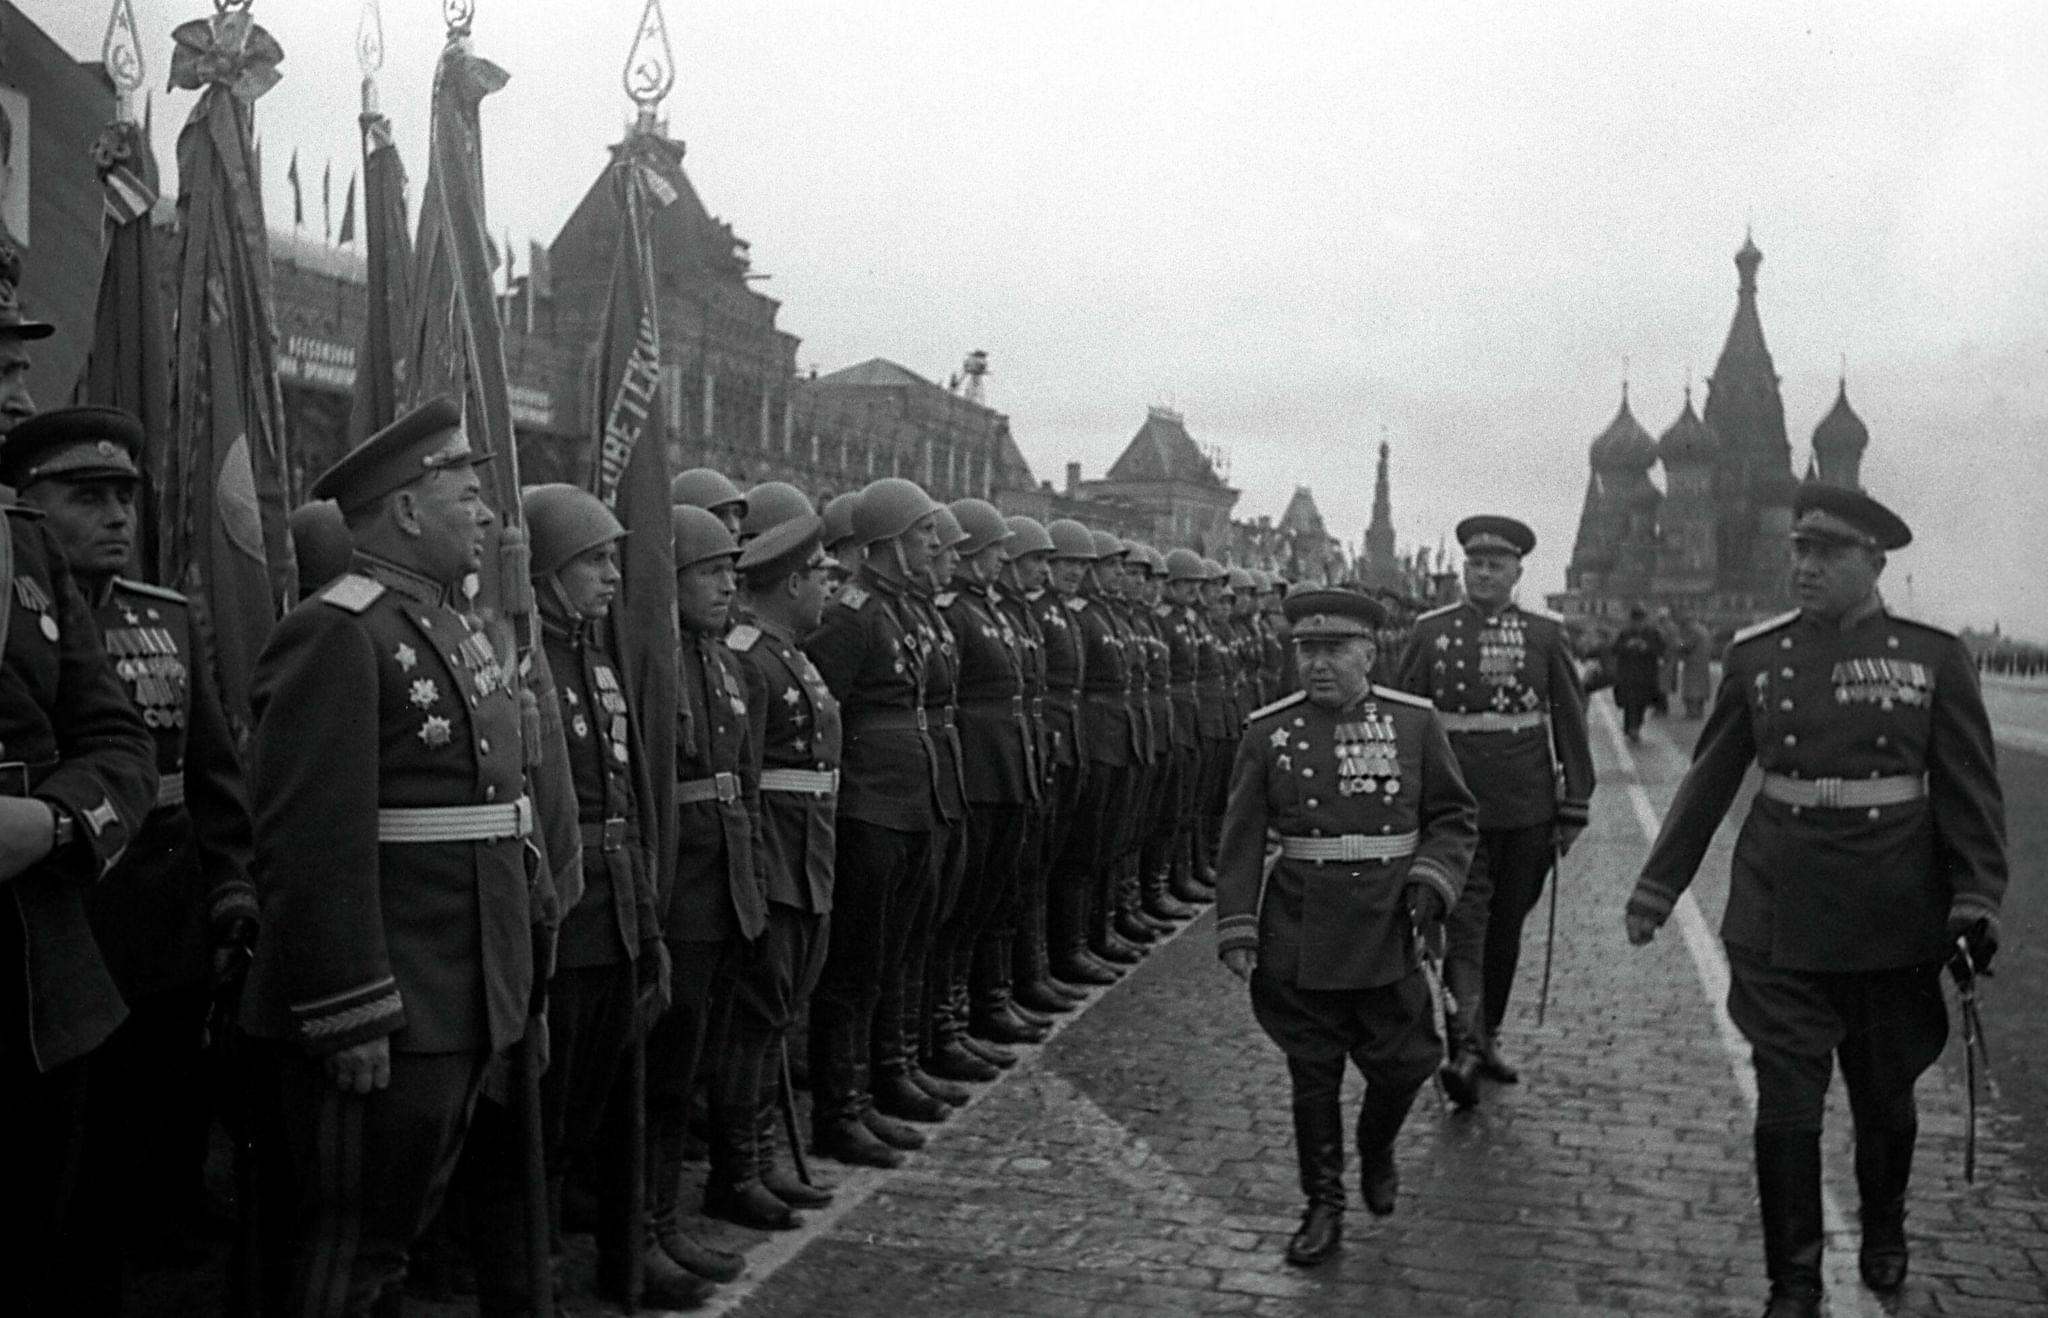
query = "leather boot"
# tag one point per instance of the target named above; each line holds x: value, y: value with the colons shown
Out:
x: 1159, y: 901
x: 1460, y: 1073
x: 782, y: 1181
x: 1493, y: 1066
x: 993, y: 1053
x: 991, y: 1014
x: 1130, y: 921
x: 1031, y: 980
x: 1184, y: 880
x: 1067, y: 934
x: 895, y: 1093
x: 665, y: 1139
x: 1104, y: 939
x: 839, y: 1076
x: 733, y: 1192
x: 1884, y: 1164
x: 1319, y: 1150
x: 1788, y: 1192
x: 896, y: 1134
x: 663, y: 1285
x: 1379, y: 1122
x: 951, y: 1059
x: 946, y: 1091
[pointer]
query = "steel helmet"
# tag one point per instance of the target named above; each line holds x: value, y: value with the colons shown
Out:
x: 700, y: 536
x: 1185, y: 565
x: 1027, y: 536
x: 1214, y: 570
x: 1107, y: 546
x: 839, y: 518
x: 1140, y: 554
x: 701, y: 487
x: 982, y: 522
x: 951, y: 535
x: 321, y: 543
x: 1070, y: 539
x: 563, y: 521
x: 1241, y: 581
x: 770, y: 504
x: 888, y: 507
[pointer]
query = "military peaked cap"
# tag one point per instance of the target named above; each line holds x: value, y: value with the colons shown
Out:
x: 1836, y: 514
x: 1332, y: 613
x: 73, y: 444
x: 1491, y: 532
x: 783, y: 549
x: 427, y: 439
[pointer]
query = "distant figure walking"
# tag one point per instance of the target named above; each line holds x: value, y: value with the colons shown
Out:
x: 1635, y: 659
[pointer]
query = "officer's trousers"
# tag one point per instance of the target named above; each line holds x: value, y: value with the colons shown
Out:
x: 876, y: 867
x: 40, y: 1121
x: 682, y: 1044
x: 1483, y: 942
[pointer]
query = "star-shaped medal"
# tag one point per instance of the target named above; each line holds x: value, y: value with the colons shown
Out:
x: 424, y: 692
x: 1279, y: 737
x: 435, y: 731
x: 1443, y: 642
x: 406, y: 656
x: 1283, y: 761
x: 791, y: 696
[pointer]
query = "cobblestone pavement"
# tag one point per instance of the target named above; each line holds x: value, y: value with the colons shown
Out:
x: 1140, y: 1163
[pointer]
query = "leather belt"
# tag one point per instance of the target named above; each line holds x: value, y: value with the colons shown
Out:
x: 1014, y: 705
x: 1490, y: 721
x: 604, y: 834
x: 810, y: 782
x: 886, y: 720
x: 455, y: 823
x: 1845, y: 793
x: 939, y: 717
x: 1038, y: 707
x: 722, y: 787
x: 170, y: 789
x: 1350, y: 846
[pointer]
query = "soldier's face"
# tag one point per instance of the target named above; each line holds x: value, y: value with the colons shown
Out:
x: 919, y: 546
x: 986, y: 563
x: 1032, y: 570
x: 1109, y: 575
x: 449, y: 519
x: 1067, y: 574
x: 945, y: 563
x: 1490, y: 578
x: 730, y: 515
x: 15, y: 404
x: 590, y: 581
x: 810, y: 589
x: 1830, y: 578
x: 1335, y: 671
x: 1184, y: 593
x: 704, y: 595
x: 93, y: 522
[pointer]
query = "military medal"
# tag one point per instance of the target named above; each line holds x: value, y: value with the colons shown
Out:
x: 406, y: 656
x: 425, y: 692
x: 579, y: 726
x: 436, y: 731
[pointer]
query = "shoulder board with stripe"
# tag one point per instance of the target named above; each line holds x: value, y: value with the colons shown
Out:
x: 1439, y: 612
x: 742, y: 637
x: 1076, y: 604
x: 1544, y: 614
x: 152, y: 591
x: 1919, y: 624
x: 1765, y: 628
x: 853, y: 597
x: 1400, y: 697
x: 351, y: 592
x: 1284, y: 702
x: 944, y: 599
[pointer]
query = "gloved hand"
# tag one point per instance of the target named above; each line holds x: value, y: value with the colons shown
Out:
x: 654, y: 970
x: 1567, y: 834
x: 1426, y: 914
x: 1979, y: 935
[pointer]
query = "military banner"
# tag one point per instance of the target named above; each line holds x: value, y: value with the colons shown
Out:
x: 380, y: 364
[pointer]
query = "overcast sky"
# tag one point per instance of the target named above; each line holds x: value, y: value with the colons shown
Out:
x: 1309, y: 224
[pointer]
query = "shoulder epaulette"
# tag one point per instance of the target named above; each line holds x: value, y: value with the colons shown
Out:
x: 1439, y: 611
x: 742, y: 637
x: 352, y: 592
x: 1400, y: 697
x: 1544, y: 614
x: 154, y: 592
x: 1284, y: 702
x: 1764, y: 628
x: 22, y: 510
x: 1920, y: 623
x: 944, y: 599
x: 1076, y: 604
x: 853, y: 597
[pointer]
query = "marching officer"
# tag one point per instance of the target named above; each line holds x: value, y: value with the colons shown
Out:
x: 1375, y: 830
x: 797, y: 733
x: 1073, y: 553
x: 1874, y: 852
x: 179, y: 909
x: 874, y: 653
x: 78, y: 780
x: 612, y: 968
x: 718, y: 908
x: 1507, y: 685
x: 390, y: 852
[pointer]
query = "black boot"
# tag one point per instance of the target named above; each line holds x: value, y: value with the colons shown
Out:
x: 839, y: 1076
x: 1067, y: 935
x: 1131, y: 921
x: 895, y: 1093
x: 1379, y: 1123
x: 665, y: 1138
x: 663, y: 1285
x: 896, y: 1134
x: 1319, y: 1152
x: 1788, y: 1192
x: 1460, y: 1072
x: 1493, y: 1066
x: 1107, y: 941
x: 1159, y: 900
x: 1884, y: 1163
x: 946, y: 1091
x: 733, y: 1192
x: 1031, y: 979
x: 782, y: 1181
x: 950, y: 1058
x: 991, y: 1015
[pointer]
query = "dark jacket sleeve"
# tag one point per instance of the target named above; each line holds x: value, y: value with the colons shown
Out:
x: 1962, y: 783
x: 552, y: 784
x: 215, y: 798
x: 1241, y: 856
x: 838, y: 647
x: 1569, y: 738
x: 314, y: 768
x: 1725, y: 751
x: 1411, y: 672
x: 1448, y: 814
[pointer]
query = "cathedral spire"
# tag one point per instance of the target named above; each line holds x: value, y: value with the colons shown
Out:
x: 1379, y: 536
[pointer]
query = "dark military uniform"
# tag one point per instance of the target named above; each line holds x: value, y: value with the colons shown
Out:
x: 1216, y: 687
x: 912, y: 1001
x: 1030, y: 965
x: 1170, y: 688
x: 874, y: 653
x: 391, y: 869
x: 1365, y: 801
x: 71, y: 737
x: 1110, y: 741
x: 1508, y: 688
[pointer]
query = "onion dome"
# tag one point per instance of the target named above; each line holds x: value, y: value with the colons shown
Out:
x: 1841, y: 433
x: 1624, y: 445
x: 1689, y: 441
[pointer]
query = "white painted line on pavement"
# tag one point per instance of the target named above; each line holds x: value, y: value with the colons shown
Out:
x: 1846, y: 1296
x: 2020, y: 739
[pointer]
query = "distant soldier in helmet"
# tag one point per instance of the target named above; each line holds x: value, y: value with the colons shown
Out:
x: 701, y: 487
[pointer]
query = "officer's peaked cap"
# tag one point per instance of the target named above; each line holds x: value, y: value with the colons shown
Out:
x: 1492, y: 533
x: 73, y: 444
x: 783, y: 548
x: 1332, y: 612
x: 1834, y: 513
x: 427, y: 439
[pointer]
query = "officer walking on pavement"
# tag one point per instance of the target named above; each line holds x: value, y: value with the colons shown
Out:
x: 1375, y: 830
x: 1874, y: 852
x: 1504, y: 679
x: 390, y: 849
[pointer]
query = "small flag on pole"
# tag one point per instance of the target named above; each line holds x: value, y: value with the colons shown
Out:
x: 348, y: 214
x: 298, y: 197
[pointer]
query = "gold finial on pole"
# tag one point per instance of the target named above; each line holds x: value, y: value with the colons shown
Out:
x: 121, y: 53
x: 458, y: 14
x: 650, y: 72
x: 370, y: 52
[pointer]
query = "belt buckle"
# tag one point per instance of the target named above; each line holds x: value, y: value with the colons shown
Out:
x: 728, y: 787
x: 614, y: 834
x: 1351, y: 847
x: 921, y: 727
x: 1829, y: 792
x: 14, y: 778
